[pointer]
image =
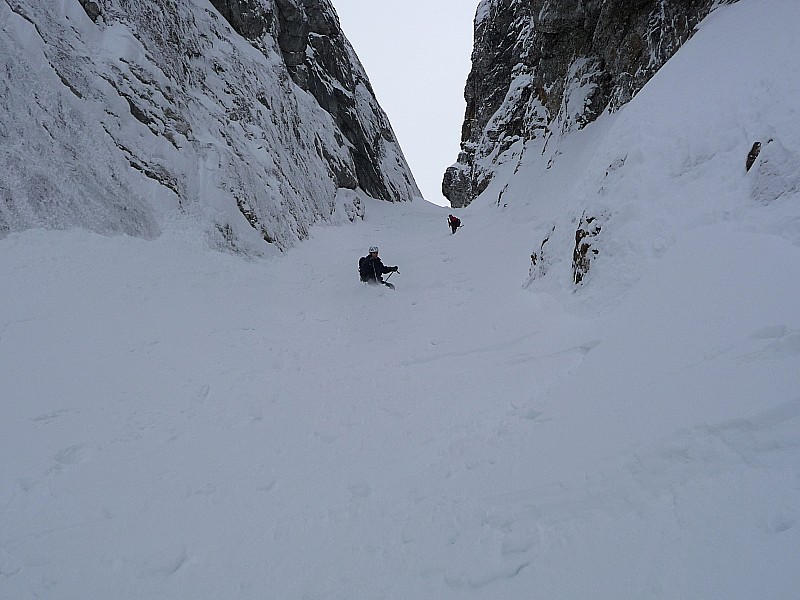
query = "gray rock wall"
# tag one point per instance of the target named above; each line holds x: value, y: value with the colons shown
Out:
x: 543, y: 68
x: 244, y: 116
x: 321, y: 61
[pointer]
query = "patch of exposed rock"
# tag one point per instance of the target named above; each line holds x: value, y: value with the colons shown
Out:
x: 543, y: 68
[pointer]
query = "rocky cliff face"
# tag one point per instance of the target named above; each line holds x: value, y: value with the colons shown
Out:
x: 253, y: 118
x: 321, y: 61
x: 543, y: 68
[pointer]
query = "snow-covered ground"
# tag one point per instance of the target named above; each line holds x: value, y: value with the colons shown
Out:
x: 181, y: 423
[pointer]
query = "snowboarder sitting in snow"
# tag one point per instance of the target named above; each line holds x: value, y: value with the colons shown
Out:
x: 371, y: 268
x: 454, y: 222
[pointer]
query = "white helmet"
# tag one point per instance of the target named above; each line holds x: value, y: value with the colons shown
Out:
x: 373, y: 249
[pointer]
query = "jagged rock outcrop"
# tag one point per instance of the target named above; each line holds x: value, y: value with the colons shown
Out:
x: 251, y: 117
x: 588, y: 229
x: 543, y: 68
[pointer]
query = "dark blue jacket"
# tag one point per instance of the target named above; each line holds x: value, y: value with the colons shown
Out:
x: 372, y: 268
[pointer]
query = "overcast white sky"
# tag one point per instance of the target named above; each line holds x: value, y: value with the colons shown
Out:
x: 417, y: 57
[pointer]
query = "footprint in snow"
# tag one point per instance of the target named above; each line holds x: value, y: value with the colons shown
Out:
x: 70, y: 456
x: 51, y: 416
x: 783, y: 341
x: 780, y: 522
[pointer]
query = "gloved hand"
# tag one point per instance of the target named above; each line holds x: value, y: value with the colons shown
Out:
x: 395, y: 269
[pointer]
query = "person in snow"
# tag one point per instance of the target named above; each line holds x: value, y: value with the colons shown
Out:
x: 371, y: 269
x: 454, y: 222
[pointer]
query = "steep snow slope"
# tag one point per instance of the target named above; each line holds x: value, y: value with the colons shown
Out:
x: 185, y: 424
x: 542, y: 69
